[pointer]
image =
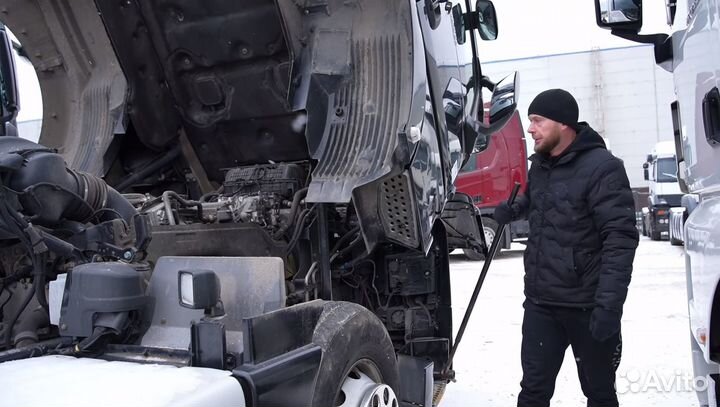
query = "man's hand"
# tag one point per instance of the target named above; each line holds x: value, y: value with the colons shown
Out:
x: 604, y: 324
x: 504, y: 213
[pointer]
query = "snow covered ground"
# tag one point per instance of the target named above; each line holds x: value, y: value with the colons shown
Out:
x: 656, y: 368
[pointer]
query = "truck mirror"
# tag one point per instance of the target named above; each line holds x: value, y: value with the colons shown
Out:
x: 459, y: 21
x: 646, y: 173
x: 503, y: 104
x: 8, y: 86
x: 649, y: 158
x: 619, y: 14
x: 487, y: 20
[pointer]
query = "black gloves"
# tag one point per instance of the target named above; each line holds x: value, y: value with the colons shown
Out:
x: 604, y: 324
x: 504, y: 213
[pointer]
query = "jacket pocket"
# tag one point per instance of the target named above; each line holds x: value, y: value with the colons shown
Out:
x: 586, y: 262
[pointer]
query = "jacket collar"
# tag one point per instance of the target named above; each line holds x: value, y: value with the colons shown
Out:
x: 587, y: 139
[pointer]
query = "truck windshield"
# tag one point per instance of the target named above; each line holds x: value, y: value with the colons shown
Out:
x: 666, y: 170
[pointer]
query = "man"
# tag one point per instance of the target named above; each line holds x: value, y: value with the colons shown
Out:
x: 579, y: 254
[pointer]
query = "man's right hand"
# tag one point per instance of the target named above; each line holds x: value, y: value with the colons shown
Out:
x: 504, y: 213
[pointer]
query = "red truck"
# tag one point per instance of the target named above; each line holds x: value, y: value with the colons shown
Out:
x: 488, y: 177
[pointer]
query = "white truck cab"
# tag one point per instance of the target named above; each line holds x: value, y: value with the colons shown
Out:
x: 692, y: 53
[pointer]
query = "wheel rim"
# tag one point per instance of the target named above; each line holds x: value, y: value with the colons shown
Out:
x: 489, y: 235
x: 363, y: 387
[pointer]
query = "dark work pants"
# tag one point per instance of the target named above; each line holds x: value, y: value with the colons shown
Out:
x: 547, y: 331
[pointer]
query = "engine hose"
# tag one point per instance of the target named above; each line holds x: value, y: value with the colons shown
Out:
x: 297, y: 198
x: 345, y: 239
x: 11, y: 322
x: 40, y: 277
x: 154, y: 166
x: 184, y: 202
x: 299, y: 226
x: 93, y: 190
x: 50, y: 192
x: 344, y: 252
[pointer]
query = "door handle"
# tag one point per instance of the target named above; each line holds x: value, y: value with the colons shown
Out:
x: 711, y: 116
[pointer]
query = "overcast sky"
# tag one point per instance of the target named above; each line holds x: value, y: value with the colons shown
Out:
x: 542, y: 27
x: 527, y: 28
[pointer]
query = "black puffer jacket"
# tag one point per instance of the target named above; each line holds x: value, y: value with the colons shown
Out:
x: 582, y: 227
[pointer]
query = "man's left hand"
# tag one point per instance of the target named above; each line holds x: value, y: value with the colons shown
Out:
x: 604, y: 324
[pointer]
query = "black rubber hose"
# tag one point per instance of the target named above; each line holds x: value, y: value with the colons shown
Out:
x: 117, y: 202
x: 11, y: 322
x: 345, y: 239
x: 39, y: 281
x: 184, y: 202
x: 154, y: 166
x: 297, y: 198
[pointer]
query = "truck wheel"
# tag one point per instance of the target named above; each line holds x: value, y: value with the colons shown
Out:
x: 358, y: 367
x: 673, y: 240
x: 490, y: 230
x: 644, y: 229
x: 654, y: 235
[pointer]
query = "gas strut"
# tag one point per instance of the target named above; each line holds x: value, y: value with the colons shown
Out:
x: 488, y: 259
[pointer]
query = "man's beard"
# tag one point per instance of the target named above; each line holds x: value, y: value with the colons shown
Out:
x: 547, y: 145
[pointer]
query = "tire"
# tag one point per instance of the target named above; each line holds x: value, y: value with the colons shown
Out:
x: 352, y: 339
x: 673, y: 241
x: 653, y: 234
x: 490, y: 228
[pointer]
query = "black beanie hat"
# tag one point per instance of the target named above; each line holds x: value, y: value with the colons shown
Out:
x: 556, y: 104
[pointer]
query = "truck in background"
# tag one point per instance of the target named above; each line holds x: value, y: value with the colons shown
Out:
x: 488, y: 177
x: 689, y: 53
x: 660, y: 170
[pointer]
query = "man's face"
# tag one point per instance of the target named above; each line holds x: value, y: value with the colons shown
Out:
x: 545, y: 132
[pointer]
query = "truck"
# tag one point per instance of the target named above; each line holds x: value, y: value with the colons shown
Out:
x: 487, y: 178
x: 239, y: 203
x: 660, y: 170
x: 688, y: 53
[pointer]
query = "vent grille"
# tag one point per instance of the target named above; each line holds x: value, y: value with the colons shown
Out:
x: 397, y: 211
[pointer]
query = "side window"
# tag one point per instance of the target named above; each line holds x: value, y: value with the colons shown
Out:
x: 471, y: 165
x: 30, y: 113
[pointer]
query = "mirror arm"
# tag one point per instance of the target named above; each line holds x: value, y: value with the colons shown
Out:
x: 655, y: 39
x: 471, y: 20
x: 662, y: 43
x: 477, y: 127
x: 487, y: 83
